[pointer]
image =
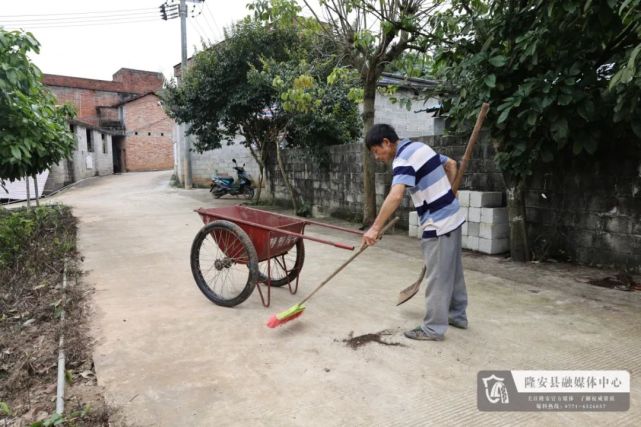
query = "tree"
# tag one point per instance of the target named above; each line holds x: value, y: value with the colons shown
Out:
x: 265, y: 83
x: 370, y: 35
x: 546, y: 67
x: 33, y: 129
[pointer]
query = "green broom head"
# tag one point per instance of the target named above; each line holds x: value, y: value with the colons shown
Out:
x: 285, y: 316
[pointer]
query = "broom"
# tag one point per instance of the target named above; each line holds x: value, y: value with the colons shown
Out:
x: 296, y: 310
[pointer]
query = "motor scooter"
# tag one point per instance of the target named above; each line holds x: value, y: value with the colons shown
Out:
x: 221, y: 185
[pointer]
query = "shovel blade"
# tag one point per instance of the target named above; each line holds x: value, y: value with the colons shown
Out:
x: 407, y: 293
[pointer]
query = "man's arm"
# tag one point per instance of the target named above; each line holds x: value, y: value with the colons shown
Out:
x: 450, y: 170
x: 391, y: 203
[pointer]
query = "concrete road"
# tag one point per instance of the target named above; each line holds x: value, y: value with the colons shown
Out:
x: 167, y: 356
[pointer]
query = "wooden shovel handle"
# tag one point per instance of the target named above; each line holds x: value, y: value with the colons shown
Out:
x: 470, y: 146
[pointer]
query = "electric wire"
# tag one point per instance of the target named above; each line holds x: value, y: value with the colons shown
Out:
x: 77, y: 13
x: 30, y: 27
x: 218, y: 28
x: 83, y: 18
x: 191, y: 24
x: 206, y: 21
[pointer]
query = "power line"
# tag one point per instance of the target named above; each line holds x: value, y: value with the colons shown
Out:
x: 75, y: 13
x: 81, y: 21
x: 79, y: 18
x: 207, y: 10
x: 206, y: 21
x: 30, y: 27
x: 196, y: 29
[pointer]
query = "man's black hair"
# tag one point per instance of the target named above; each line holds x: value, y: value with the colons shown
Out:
x: 377, y: 133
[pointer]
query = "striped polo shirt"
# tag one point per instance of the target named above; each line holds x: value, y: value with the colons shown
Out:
x: 418, y: 167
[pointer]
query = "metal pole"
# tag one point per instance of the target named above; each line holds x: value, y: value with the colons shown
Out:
x: 183, y: 69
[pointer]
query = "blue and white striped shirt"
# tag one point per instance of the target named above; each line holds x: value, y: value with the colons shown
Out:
x: 418, y: 167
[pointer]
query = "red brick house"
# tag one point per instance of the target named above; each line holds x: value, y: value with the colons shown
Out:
x: 128, y: 109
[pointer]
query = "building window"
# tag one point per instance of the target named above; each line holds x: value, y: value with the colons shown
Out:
x: 136, y: 133
x: 162, y: 133
x: 89, y: 141
x: 148, y: 133
x: 104, y: 144
x: 72, y: 129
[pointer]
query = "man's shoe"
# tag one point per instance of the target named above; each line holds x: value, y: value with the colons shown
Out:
x: 458, y: 324
x: 419, y: 334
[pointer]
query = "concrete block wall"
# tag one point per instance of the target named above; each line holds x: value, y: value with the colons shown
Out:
x: 588, y: 209
x: 219, y: 162
x: 407, y: 123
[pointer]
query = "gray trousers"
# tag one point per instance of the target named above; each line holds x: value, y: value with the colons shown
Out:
x: 445, y: 296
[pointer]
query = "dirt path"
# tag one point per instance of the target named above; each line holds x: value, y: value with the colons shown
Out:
x: 167, y: 356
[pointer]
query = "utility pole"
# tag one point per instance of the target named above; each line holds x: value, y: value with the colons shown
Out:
x: 183, y: 69
x: 168, y: 11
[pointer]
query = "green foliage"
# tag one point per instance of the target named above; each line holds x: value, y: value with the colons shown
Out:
x: 262, y: 81
x: 555, y: 73
x: 20, y: 227
x: 5, y: 409
x: 316, y: 103
x: 217, y: 98
x: 33, y: 129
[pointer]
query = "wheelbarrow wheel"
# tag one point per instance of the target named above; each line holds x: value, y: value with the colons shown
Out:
x: 224, y: 263
x: 284, y: 268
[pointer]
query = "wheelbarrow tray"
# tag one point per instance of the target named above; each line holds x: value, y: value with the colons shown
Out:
x: 262, y: 227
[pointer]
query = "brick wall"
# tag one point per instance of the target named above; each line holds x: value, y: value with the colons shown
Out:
x: 149, y: 141
x: 139, y: 81
x: 85, y: 101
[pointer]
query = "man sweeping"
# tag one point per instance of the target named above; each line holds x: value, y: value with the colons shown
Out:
x: 429, y: 177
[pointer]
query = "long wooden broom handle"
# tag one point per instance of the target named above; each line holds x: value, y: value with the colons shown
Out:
x: 339, y: 269
x: 470, y: 146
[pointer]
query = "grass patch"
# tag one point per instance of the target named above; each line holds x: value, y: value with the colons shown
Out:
x: 34, y: 245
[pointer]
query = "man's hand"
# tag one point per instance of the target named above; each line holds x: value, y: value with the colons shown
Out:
x: 371, y: 236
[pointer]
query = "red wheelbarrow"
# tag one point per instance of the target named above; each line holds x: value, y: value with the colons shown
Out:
x: 241, y: 247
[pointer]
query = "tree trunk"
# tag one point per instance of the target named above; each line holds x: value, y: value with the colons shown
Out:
x: 369, y: 187
x: 285, y: 179
x: 35, y: 187
x: 519, y: 245
x: 261, y: 168
x: 28, y: 193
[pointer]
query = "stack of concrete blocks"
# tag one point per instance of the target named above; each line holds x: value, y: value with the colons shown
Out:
x: 486, y: 229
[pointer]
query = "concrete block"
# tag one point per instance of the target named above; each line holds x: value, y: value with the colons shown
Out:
x: 464, y: 228
x: 494, y: 231
x: 464, y: 198
x: 473, y: 229
x: 494, y: 215
x: 473, y: 243
x: 474, y: 215
x: 412, y: 230
x: 486, y: 199
x: 413, y: 219
x: 466, y: 212
x: 493, y: 246
x: 464, y: 243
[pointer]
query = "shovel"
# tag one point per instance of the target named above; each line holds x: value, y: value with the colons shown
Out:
x: 407, y: 293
